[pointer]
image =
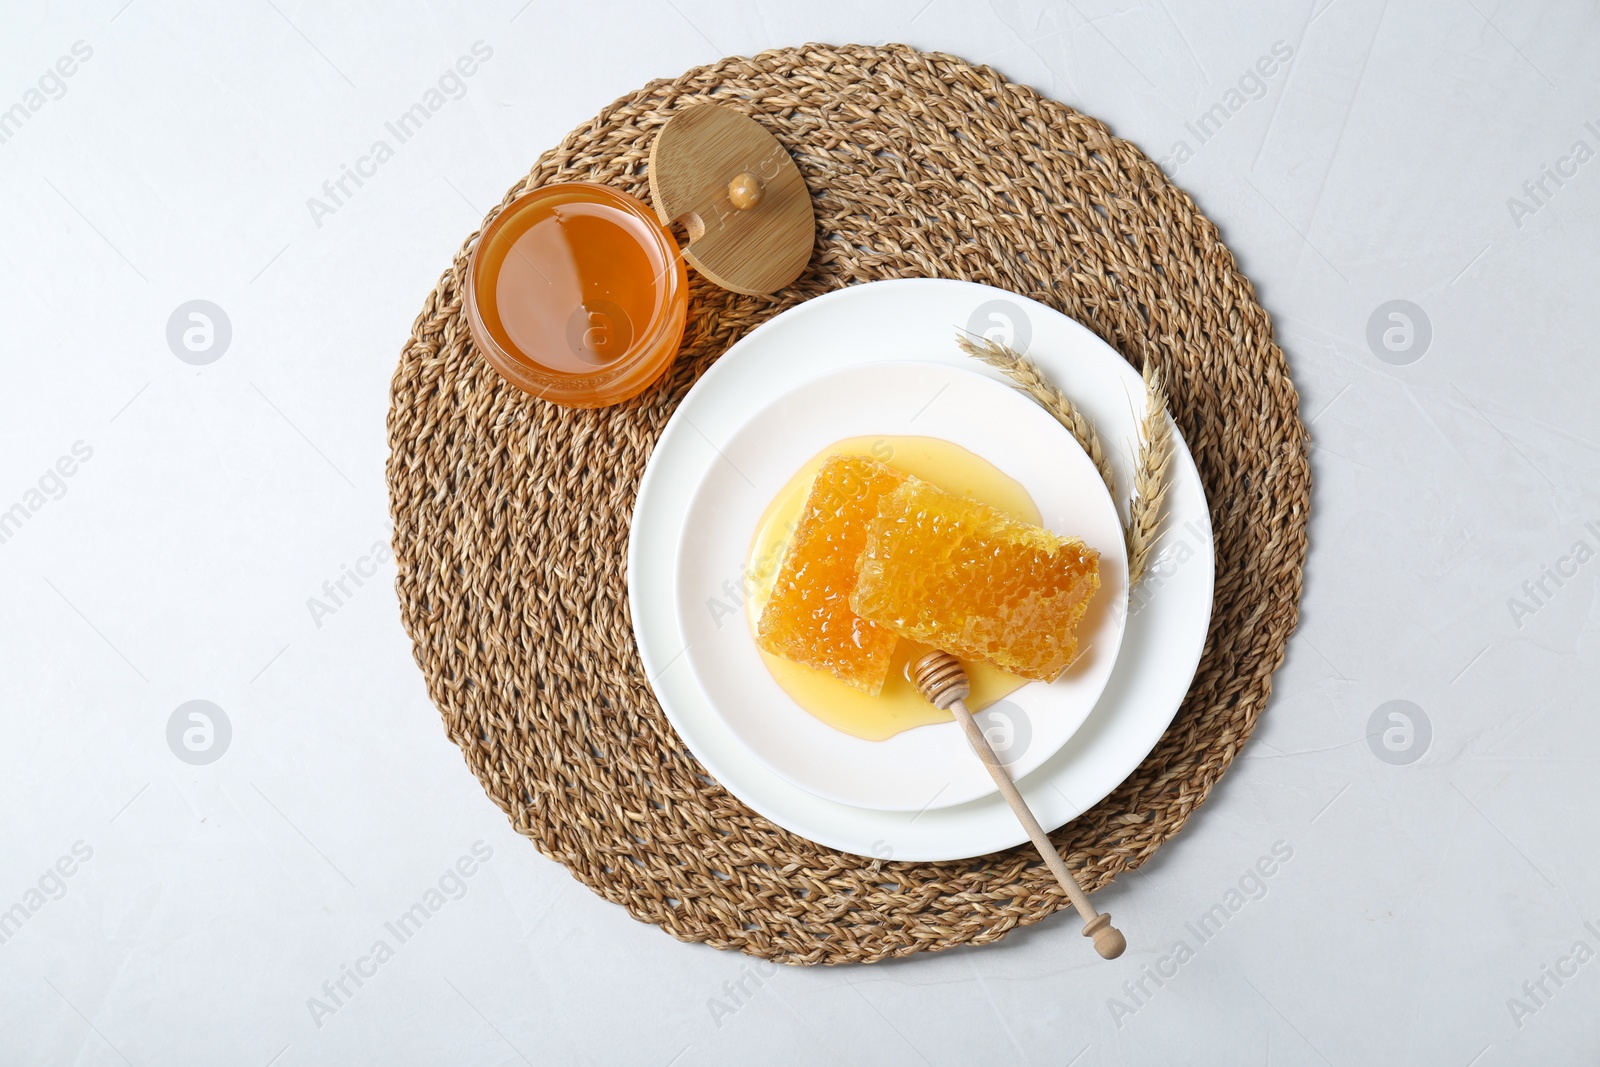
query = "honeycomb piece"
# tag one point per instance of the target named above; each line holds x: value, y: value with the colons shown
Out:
x: 961, y: 576
x: 808, y: 617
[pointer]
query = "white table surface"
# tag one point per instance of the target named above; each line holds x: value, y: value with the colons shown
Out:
x: 176, y: 562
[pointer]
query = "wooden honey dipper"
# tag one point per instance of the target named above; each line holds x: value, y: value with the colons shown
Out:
x: 941, y: 679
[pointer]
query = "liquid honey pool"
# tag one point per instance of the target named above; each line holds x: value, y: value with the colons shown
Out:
x: 899, y: 707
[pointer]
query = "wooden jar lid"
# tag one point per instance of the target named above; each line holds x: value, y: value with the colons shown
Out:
x: 738, y: 195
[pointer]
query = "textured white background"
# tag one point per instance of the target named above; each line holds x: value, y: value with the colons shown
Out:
x: 179, y: 561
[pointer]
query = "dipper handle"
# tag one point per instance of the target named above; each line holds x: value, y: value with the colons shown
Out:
x: 941, y: 679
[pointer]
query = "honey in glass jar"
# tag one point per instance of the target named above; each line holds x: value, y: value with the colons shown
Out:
x: 577, y: 293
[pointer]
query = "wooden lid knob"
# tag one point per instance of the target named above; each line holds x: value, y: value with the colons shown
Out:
x: 745, y: 191
x: 737, y: 194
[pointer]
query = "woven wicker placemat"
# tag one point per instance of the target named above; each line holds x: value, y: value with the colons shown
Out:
x: 511, y: 515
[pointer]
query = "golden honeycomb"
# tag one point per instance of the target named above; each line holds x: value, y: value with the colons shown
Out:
x: 960, y: 576
x: 808, y: 617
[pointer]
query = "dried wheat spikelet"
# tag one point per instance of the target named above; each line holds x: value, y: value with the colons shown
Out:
x: 1151, y: 475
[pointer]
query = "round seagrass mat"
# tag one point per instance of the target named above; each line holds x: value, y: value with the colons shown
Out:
x: 511, y: 515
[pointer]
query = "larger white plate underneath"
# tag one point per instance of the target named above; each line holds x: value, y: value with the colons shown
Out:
x: 915, y: 320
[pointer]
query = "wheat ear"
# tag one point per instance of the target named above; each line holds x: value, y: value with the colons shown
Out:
x: 1150, y: 476
x: 1021, y: 370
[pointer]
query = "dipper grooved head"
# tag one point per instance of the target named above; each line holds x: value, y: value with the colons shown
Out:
x: 941, y: 679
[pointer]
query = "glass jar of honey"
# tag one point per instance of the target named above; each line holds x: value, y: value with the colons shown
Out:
x: 577, y: 294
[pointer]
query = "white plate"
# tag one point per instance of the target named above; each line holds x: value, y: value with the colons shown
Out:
x: 933, y: 765
x: 916, y: 319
